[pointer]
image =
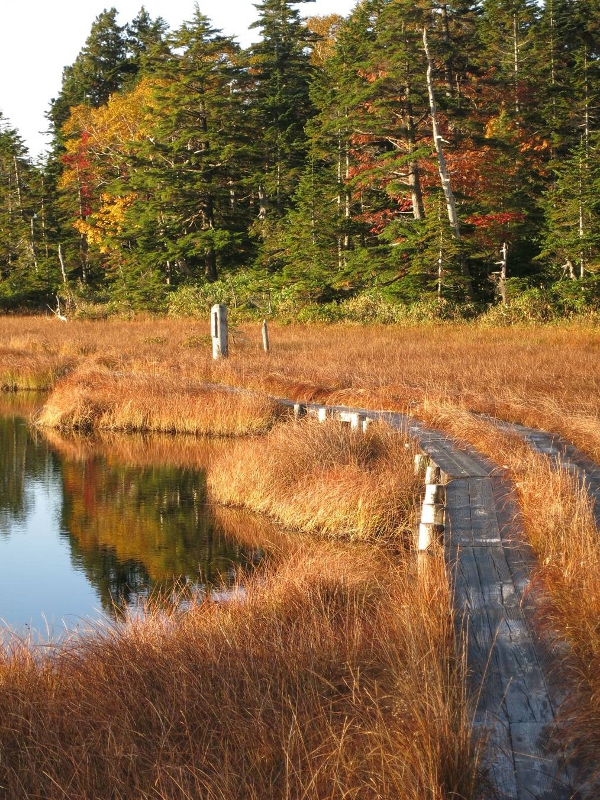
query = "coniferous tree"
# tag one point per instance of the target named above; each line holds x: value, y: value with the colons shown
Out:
x: 281, y: 72
x: 571, y: 239
x: 97, y: 72
x: 189, y: 213
x: 24, y: 252
x: 146, y: 44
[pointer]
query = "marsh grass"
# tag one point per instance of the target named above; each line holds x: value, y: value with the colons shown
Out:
x: 323, y: 680
x: 323, y: 478
x: 96, y: 398
x: 548, y: 377
x: 543, y: 377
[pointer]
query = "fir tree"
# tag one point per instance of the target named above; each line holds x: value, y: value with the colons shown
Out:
x: 282, y: 72
x: 188, y: 211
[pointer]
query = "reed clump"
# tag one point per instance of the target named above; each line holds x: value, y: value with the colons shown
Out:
x: 30, y: 370
x: 321, y: 680
x: 323, y: 478
x: 97, y: 398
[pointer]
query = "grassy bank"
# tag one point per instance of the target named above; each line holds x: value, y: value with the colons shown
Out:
x: 98, y: 399
x: 322, y: 680
x: 323, y: 478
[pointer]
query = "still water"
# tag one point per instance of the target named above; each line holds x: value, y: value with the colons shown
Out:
x: 89, y: 527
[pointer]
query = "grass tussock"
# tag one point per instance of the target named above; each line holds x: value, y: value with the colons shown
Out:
x: 322, y: 478
x: 90, y: 399
x: 30, y: 370
x: 560, y: 523
x: 322, y: 681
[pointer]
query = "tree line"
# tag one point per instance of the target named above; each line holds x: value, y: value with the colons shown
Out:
x: 415, y: 151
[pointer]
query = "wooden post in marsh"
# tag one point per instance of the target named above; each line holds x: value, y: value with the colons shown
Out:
x: 218, y: 329
x: 300, y: 410
x: 421, y: 463
x: 357, y: 421
x: 431, y: 527
x: 265, y: 336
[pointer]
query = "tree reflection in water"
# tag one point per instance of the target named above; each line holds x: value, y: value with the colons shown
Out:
x: 133, y: 511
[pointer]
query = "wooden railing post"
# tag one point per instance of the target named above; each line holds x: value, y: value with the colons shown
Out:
x: 218, y: 329
x: 265, y: 336
x: 421, y: 463
x: 431, y: 527
x: 300, y: 410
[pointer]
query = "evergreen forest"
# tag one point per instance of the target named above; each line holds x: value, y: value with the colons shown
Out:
x: 414, y: 158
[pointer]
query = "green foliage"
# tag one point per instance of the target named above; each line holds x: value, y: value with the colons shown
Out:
x: 565, y: 299
x: 302, y: 181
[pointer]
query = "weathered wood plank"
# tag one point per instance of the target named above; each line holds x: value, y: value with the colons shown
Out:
x: 492, y: 565
x: 457, y: 495
x: 497, y: 760
x: 444, y: 459
x: 481, y: 493
x: 538, y: 771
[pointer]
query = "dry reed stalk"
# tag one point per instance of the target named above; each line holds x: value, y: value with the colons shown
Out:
x: 323, y: 681
x: 322, y: 478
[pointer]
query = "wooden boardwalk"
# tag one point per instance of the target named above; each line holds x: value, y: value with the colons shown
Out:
x: 510, y: 667
x: 490, y: 563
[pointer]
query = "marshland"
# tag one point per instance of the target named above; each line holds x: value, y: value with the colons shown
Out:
x: 232, y: 603
x: 332, y: 667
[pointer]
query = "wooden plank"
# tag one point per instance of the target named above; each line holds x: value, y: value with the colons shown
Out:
x: 494, y: 572
x: 465, y: 581
x: 539, y: 776
x: 471, y: 465
x: 457, y: 494
x: 490, y: 563
x: 526, y: 694
x: 444, y: 459
x: 497, y: 760
x: 481, y: 493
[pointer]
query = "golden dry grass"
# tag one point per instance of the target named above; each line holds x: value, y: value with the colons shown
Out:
x: 548, y: 377
x: 544, y: 377
x: 322, y: 681
x: 323, y: 478
x: 96, y: 398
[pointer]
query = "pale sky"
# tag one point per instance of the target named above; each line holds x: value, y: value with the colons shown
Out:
x: 39, y: 37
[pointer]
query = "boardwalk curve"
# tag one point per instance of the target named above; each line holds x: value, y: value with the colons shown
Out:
x: 490, y: 562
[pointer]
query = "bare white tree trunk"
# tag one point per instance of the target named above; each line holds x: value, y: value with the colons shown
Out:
x: 442, y: 167
x: 437, y: 141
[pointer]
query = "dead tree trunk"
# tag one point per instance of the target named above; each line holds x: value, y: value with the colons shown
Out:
x: 442, y: 167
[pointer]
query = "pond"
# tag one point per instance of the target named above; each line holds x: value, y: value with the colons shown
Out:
x: 91, y: 527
